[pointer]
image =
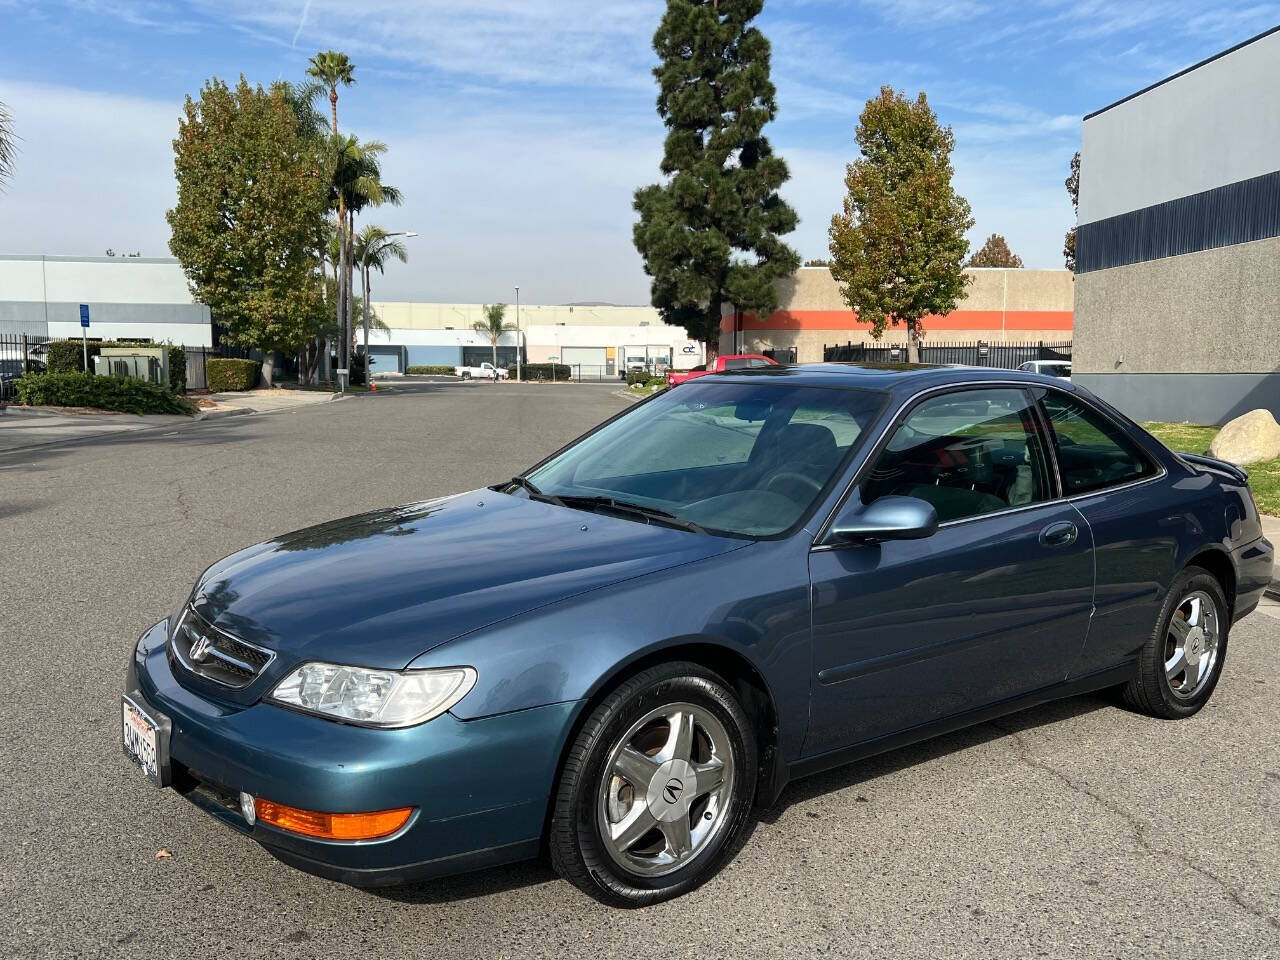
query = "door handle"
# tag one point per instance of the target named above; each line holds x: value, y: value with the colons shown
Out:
x: 1060, y: 534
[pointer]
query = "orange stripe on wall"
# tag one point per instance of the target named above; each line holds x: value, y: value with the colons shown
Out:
x: 959, y: 320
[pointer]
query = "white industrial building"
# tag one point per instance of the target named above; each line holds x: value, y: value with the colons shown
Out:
x: 148, y: 300
x: 129, y: 298
x: 596, y: 340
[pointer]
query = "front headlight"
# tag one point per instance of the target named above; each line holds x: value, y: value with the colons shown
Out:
x: 374, y: 698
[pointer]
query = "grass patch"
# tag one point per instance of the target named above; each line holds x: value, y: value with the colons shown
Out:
x: 1264, y: 477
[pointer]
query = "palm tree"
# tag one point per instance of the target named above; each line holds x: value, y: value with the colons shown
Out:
x: 8, y: 144
x: 493, y: 327
x: 358, y: 184
x: 333, y: 69
x: 374, y: 247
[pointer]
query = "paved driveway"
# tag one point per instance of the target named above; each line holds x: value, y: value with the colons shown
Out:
x: 1075, y: 830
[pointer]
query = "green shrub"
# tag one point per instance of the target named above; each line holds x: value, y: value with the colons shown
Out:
x: 125, y: 394
x: 223, y: 373
x: 638, y: 376
x: 431, y: 370
x: 543, y: 371
x: 67, y: 356
x: 177, y: 369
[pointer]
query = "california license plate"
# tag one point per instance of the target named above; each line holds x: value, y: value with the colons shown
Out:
x: 141, y: 739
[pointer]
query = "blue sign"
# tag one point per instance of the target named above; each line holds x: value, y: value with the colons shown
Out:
x: 84, y: 314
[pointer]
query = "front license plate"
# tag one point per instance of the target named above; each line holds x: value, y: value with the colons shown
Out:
x: 140, y: 737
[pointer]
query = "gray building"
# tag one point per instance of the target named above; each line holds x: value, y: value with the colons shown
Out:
x: 1177, y: 308
x: 134, y: 298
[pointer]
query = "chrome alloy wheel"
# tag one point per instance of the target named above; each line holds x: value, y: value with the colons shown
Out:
x: 1191, y: 645
x: 664, y: 794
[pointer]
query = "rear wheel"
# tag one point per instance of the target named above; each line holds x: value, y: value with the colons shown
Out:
x: 655, y: 788
x: 1180, y: 664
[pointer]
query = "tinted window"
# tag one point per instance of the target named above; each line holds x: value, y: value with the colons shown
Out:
x: 759, y: 363
x: 968, y: 453
x: 736, y: 364
x: 736, y: 458
x: 1093, y: 452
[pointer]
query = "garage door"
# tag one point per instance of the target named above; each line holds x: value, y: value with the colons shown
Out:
x: 385, y: 359
x: 587, y: 356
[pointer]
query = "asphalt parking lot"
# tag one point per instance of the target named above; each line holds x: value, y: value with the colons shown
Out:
x: 1074, y: 830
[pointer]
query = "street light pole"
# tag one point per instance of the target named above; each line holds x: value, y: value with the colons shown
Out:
x: 364, y: 278
x: 518, y: 335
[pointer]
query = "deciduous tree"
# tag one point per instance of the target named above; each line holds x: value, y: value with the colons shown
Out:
x: 250, y: 214
x: 898, y: 247
x: 995, y: 253
x: 1073, y: 191
x: 710, y: 232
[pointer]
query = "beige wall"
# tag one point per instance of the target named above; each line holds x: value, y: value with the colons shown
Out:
x: 1216, y: 311
x: 406, y: 315
x: 813, y: 288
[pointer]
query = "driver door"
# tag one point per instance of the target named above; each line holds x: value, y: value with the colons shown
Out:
x: 993, y: 605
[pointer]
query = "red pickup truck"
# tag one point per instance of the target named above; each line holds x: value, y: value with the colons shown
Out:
x: 728, y: 361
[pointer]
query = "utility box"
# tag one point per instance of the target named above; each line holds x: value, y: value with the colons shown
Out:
x: 141, y: 363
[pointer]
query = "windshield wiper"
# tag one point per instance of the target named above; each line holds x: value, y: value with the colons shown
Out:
x: 648, y: 514
x: 529, y: 487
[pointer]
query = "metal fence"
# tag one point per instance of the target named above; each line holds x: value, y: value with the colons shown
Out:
x: 1005, y: 355
x: 26, y: 353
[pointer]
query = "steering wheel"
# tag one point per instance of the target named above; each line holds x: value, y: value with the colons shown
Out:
x: 793, y: 475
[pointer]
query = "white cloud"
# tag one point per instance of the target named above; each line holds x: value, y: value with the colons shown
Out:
x: 93, y: 171
x: 545, y: 42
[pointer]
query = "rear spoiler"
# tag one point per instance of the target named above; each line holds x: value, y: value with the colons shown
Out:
x: 1215, y: 464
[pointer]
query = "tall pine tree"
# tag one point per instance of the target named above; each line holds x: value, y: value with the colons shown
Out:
x: 709, y: 234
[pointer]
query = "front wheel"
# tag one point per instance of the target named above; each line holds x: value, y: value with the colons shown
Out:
x: 1180, y: 664
x: 655, y: 788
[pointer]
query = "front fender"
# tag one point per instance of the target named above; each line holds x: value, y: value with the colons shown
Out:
x: 573, y: 649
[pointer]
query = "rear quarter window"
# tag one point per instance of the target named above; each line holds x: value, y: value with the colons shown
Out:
x: 1093, y: 452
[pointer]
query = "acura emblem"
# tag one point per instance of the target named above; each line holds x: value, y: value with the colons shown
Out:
x: 671, y: 792
x: 199, y: 651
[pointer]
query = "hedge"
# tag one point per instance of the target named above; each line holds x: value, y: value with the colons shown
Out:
x: 224, y: 373
x: 545, y: 371
x: 67, y: 356
x: 432, y: 370
x: 126, y: 394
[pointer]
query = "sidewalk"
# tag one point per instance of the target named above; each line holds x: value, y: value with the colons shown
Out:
x: 265, y: 401
x: 25, y: 427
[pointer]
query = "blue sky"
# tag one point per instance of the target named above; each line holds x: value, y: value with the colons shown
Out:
x: 519, y: 128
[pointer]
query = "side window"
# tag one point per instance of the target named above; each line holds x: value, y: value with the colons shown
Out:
x: 759, y: 363
x: 968, y: 453
x: 1092, y: 451
x: 736, y: 364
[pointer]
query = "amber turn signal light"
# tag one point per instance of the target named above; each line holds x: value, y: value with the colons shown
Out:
x: 332, y: 826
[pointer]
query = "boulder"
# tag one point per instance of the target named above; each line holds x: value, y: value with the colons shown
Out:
x: 1251, y: 438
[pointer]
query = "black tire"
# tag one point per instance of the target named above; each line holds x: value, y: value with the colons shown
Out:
x: 466, y: 375
x: 574, y: 840
x: 1151, y: 691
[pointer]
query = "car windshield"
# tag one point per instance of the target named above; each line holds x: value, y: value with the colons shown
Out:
x: 730, y: 458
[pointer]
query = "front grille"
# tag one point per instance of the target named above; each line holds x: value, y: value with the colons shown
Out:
x: 215, y: 654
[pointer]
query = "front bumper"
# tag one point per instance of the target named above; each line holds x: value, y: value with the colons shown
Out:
x: 479, y: 788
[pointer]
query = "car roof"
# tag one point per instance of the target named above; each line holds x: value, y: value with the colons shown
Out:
x: 888, y: 377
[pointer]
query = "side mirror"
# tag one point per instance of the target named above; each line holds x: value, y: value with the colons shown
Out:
x: 888, y: 518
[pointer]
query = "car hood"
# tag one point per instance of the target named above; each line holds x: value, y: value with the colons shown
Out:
x: 381, y: 588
